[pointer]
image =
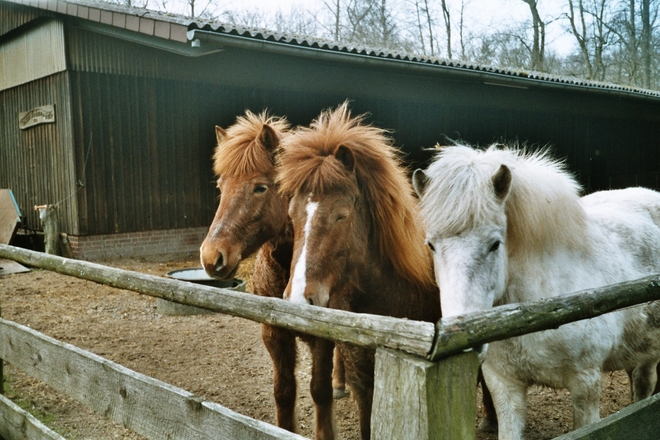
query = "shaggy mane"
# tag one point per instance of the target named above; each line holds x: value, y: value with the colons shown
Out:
x: 543, y: 207
x: 307, y: 164
x: 241, y: 152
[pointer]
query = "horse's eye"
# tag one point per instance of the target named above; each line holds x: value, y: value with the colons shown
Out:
x: 430, y: 245
x: 260, y: 189
x: 495, y: 246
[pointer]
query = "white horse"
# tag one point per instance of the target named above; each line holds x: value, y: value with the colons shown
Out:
x: 505, y: 227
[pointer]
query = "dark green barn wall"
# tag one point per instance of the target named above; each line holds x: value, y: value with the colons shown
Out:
x: 145, y: 119
x: 148, y: 167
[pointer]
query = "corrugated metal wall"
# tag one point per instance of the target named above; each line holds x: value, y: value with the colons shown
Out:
x: 33, y: 54
x: 38, y: 163
x: 13, y: 16
x: 147, y: 167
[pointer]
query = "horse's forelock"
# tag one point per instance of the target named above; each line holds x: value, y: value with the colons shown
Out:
x: 306, y: 164
x: 456, y: 198
x: 241, y: 153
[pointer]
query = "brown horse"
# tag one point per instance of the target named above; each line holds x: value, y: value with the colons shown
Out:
x: 252, y: 217
x: 358, y: 242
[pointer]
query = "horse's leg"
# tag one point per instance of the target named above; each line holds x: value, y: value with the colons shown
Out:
x: 281, y: 345
x: 338, y: 377
x: 585, y: 388
x: 321, y: 387
x: 629, y: 372
x: 509, y: 399
x: 359, y: 364
x: 488, y: 417
x: 644, y: 381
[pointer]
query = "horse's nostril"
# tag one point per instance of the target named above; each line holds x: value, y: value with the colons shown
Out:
x: 310, y: 301
x: 219, y: 263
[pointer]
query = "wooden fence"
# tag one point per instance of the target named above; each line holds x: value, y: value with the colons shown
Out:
x: 424, y: 380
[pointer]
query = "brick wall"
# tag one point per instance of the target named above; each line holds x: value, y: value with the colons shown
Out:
x: 135, y: 244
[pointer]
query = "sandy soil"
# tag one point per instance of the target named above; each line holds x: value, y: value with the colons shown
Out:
x: 218, y: 357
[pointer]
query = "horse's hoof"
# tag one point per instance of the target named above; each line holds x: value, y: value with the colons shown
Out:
x: 487, y: 425
x: 340, y: 393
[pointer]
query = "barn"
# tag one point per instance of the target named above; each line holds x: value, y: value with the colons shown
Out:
x: 108, y: 114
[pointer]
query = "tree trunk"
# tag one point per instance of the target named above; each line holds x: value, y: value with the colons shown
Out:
x: 447, y: 17
x: 538, y: 47
x: 645, y: 44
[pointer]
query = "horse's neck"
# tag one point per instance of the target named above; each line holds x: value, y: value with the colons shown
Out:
x: 532, y: 277
x: 282, y: 247
x: 273, y: 264
x: 383, y: 291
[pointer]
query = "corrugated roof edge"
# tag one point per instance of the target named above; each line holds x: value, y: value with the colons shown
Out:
x: 177, y: 32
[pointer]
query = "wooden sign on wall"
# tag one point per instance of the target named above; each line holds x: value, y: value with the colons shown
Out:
x: 36, y: 116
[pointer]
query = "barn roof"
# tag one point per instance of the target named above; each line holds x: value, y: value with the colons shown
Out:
x: 196, y: 37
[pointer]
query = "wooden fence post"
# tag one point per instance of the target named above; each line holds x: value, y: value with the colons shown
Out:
x: 2, y: 376
x: 416, y: 398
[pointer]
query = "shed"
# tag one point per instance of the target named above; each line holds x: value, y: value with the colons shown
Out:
x: 108, y: 112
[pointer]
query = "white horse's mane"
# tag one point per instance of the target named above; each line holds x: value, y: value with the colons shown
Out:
x: 543, y: 208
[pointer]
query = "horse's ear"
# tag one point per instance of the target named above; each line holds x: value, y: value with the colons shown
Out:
x: 268, y: 138
x: 344, y: 155
x: 220, y: 133
x: 502, y: 182
x: 420, y: 180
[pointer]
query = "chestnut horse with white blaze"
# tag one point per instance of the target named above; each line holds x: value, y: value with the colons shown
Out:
x: 358, y: 241
x: 507, y: 226
x: 252, y: 217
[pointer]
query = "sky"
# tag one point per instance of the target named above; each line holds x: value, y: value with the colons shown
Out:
x: 480, y: 14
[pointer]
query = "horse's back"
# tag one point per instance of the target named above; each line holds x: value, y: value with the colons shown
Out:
x: 625, y: 231
x: 631, y: 200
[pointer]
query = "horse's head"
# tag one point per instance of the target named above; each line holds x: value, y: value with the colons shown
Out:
x: 352, y: 207
x: 331, y: 235
x: 463, y: 204
x: 251, y: 210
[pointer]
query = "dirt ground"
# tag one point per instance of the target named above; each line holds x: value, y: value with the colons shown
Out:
x: 217, y: 357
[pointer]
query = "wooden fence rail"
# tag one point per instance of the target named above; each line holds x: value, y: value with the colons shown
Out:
x: 424, y: 382
x: 360, y: 329
x: 449, y: 336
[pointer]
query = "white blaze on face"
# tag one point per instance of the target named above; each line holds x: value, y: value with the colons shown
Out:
x: 298, y: 281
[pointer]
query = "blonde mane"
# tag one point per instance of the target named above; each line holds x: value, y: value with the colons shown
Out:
x: 241, y: 152
x: 543, y: 208
x: 307, y: 163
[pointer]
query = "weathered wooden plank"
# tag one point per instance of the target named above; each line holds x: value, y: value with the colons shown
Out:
x: 638, y: 421
x: 459, y: 333
x: 360, y: 329
x: 18, y: 424
x: 418, y: 399
x: 142, y: 404
x: 10, y: 215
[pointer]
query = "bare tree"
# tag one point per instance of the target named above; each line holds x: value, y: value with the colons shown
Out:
x: 461, y: 32
x: 357, y: 13
x: 587, y: 24
x: 636, y: 54
x: 447, y: 18
x: 334, y: 6
x: 645, y: 43
x: 424, y: 25
x: 201, y: 8
x: 538, y: 27
x: 372, y: 22
x: 134, y: 3
x: 298, y: 21
x: 246, y: 17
